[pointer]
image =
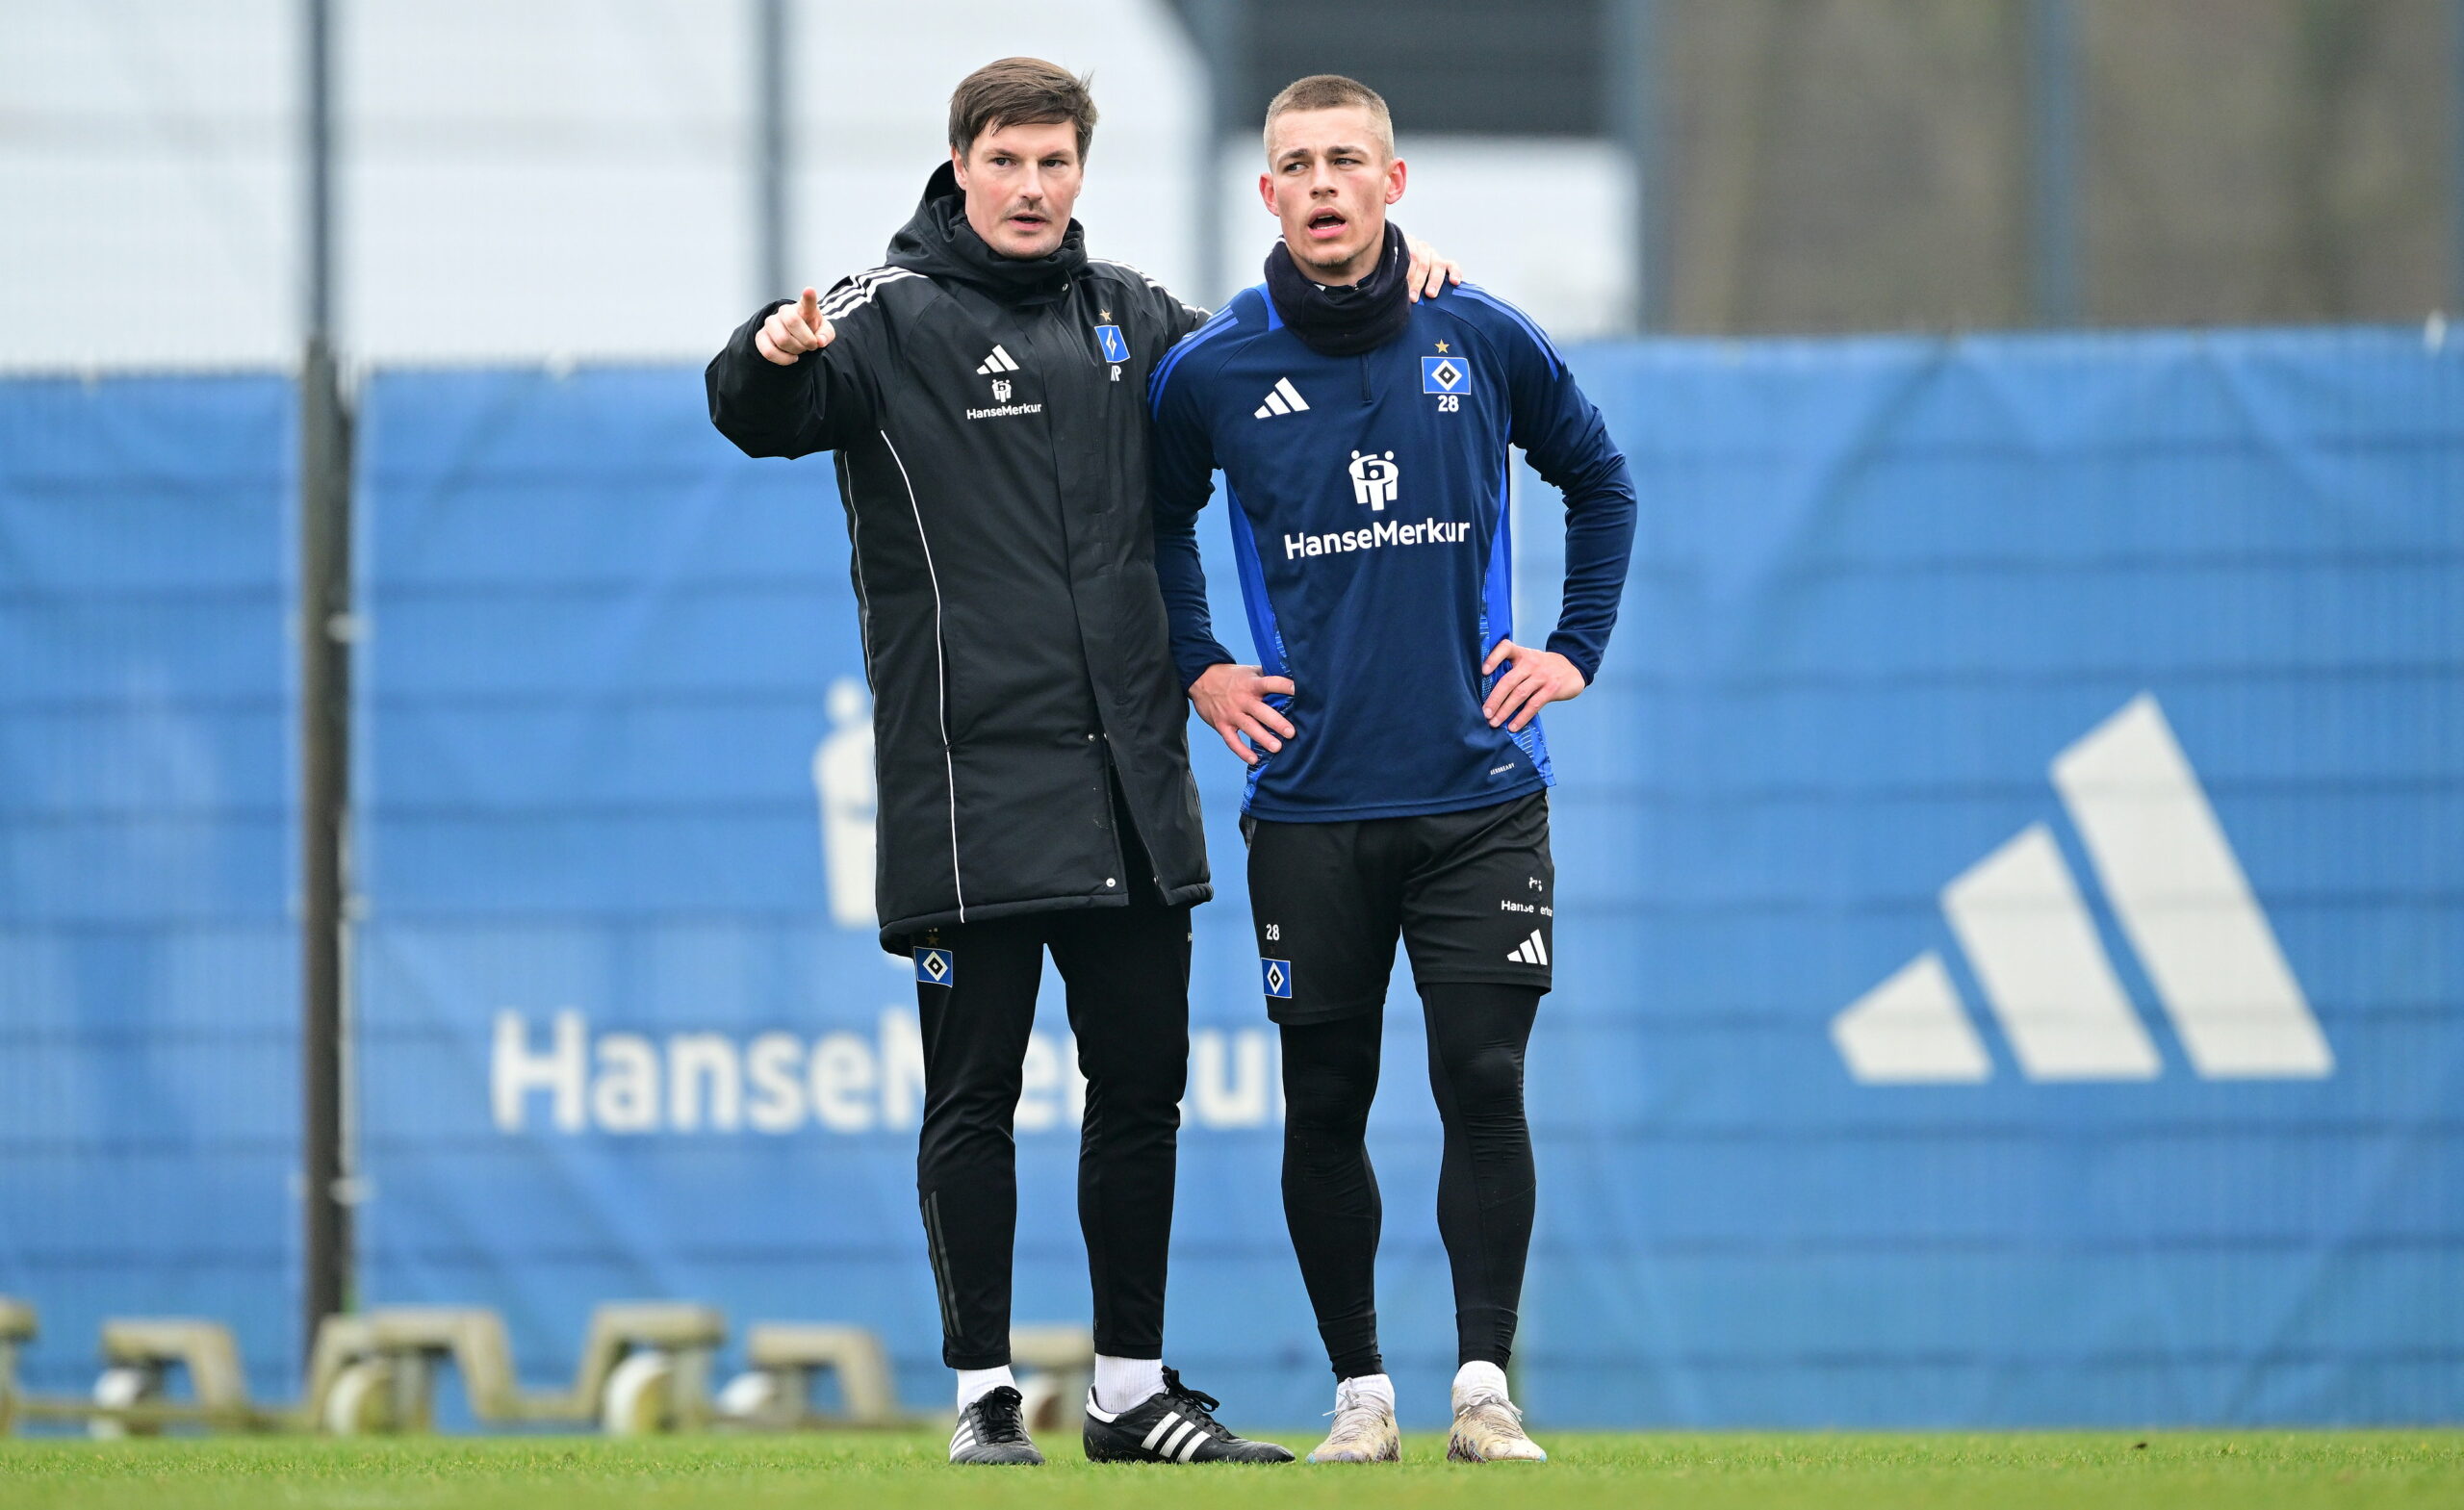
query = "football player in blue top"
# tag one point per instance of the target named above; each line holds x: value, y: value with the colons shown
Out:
x: 1398, y: 776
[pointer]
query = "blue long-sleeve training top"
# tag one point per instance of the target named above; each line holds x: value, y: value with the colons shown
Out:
x: 1370, y: 526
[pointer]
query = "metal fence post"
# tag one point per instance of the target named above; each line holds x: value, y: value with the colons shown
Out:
x: 2053, y: 161
x: 2455, y: 151
x: 1632, y: 88
x: 770, y: 263
x: 323, y: 626
x: 1219, y: 28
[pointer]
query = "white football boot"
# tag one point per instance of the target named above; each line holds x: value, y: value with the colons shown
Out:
x: 1364, y: 1430
x: 1488, y: 1428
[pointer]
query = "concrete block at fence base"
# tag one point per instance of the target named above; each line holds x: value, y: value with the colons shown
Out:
x: 17, y: 1327
x: 795, y: 1353
x: 139, y: 1353
x: 206, y: 1349
x: 131, y: 1396
x: 376, y: 1371
x: 689, y: 1335
x: 1056, y: 1366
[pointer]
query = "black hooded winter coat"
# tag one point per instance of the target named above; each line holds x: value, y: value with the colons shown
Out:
x: 990, y: 420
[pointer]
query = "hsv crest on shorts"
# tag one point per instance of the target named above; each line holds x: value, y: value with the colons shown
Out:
x: 937, y: 967
x: 1278, y: 975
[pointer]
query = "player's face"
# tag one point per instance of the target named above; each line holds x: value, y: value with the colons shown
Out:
x: 1329, y: 180
x: 1021, y: 183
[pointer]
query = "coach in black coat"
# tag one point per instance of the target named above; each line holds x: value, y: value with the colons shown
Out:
x: 989, y: 415
x: 984, y: 393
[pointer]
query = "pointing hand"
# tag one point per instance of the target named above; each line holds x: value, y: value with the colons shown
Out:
x: 794, y: 329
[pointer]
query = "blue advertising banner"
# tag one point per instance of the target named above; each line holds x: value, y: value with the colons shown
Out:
x: 2011, y: 868
x: 2010, y: 956
x: 149, y: 1101
x: 2010, y: 872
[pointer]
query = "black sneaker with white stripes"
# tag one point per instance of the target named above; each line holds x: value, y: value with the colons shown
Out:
x: 1176, y: 1426
x: 993, y: 1430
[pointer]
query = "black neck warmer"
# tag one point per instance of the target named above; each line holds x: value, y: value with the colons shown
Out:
x: 1348, y: 320
x: 939, y: 242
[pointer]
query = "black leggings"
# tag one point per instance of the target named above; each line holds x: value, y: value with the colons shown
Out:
x: 1127, y: 970
x: 1485, y: 1188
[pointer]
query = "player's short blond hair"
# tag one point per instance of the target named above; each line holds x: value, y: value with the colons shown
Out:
x: 1333, y: 92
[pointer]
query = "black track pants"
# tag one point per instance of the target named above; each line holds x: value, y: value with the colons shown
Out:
x: 1127, y: 970
x: 1476, y: 1035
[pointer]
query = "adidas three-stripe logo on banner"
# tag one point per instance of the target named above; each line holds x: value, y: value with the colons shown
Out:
x: 999, y: 361
x: 1281, y: 399
x: 1531, y: 951
x: 2184, y: 906
x: 1179, y: 1438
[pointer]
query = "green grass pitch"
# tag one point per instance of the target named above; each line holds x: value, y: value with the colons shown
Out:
x: 2011, y: 1470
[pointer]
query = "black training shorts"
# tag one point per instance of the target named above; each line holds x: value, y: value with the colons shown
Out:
x: 1473, y: 894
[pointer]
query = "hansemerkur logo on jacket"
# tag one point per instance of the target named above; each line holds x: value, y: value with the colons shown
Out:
x: 1003, y: 564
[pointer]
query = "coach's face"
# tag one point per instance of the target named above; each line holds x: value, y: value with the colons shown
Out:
x: 1021, y: 183
x: 1329, y: 180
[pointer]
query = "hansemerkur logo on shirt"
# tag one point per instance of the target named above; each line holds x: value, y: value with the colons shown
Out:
x: 1373, y: 478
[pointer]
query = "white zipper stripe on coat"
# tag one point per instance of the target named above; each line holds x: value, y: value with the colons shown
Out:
x: 940, y: 669
x: 864, y: 599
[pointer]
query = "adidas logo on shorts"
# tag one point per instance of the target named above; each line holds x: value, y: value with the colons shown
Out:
x: 1531, y: 951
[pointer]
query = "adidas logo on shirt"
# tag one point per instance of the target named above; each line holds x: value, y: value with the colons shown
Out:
x: 999, y: 361
x: 1531, y: 951
x: 1281, y: 399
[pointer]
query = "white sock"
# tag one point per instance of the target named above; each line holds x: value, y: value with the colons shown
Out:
x: 974, y: 1384
x: 1478, y: 1378
x: 1123, y: 1382
x: 1374, y: 1386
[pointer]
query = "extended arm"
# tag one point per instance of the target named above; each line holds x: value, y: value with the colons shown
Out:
x: 786, y: 385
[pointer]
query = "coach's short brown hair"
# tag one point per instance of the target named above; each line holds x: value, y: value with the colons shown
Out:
x: 1020, y: 91
x: 1333, y: 92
